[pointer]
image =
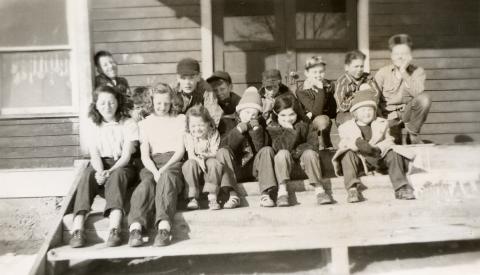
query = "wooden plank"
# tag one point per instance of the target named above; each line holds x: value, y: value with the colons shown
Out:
x: 55, y: 237
x: 151, y: 80
x: 457, y: 106
x: 459, y: 95
x: 432, y: 41
x: 434, y: 74
x: 39, y: 141
x: 31, y: 121
x: 451, y: 128
x: 36, y: 162
x: 144, y: 69
x: 444, y: 28
x: 452, y: 138
x: 452, y: 84
x: 401, y: 18
x: 158, y: 57
x: 146, y: 24
x: 146, y: 35
x: 39, y: 152
x: 98, y: 4
x: 39, y: 130
x: 340, y: 262
x: 150, y: 46
x: 419, y: 8
x: 418, y: 53
x: 453, y: 117
x: 146, y: 12
x: 434, y: 63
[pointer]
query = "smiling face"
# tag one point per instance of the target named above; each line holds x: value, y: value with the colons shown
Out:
x: 355, y: 68
x: 188, y: 83
x: 248, y: 114
x: 107, y: 66
x: 365, y: 115
x: 316, y: 73
x: 162, y: 104
x: 401, y: 54
x: 197, y: 127
x: 107, y: 106
x: 287, y: 117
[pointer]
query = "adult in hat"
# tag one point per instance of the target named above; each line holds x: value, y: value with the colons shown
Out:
x: 402, y: 85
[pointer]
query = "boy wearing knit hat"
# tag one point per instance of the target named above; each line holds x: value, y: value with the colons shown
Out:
x: 245, y: 150
x: 194, y: 90
x: 365, y: 141
x: 402, y: 86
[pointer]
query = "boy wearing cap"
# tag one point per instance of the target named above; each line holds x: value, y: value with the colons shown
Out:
x: 245, y: 150
x: 222, y: 86
x: 194, y: 90
x: 365, y: 141
x: 402, y: 86
x: 349, y: 83
x: 108, y: 73
x: 316, y: 95
x: 272, y: 87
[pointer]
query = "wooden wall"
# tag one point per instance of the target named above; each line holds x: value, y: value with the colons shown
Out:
x: 446, y: 37
x: 38, y: 142
x: 147, y: 37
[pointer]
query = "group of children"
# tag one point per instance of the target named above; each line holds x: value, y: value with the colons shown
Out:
x: 198, y: 136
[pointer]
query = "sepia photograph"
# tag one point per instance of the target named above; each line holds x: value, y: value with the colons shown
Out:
x: 252, y: 137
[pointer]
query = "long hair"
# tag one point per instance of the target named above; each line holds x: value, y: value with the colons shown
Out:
x: 121, y: 111
x: 284, y: 102
x: 202, y: 112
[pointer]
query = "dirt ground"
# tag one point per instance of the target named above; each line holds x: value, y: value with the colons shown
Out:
x: 24, y: 225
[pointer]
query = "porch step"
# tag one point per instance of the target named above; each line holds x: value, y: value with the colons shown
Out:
x: 380, y: 220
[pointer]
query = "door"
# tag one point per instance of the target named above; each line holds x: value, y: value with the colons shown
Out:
x: 253, y: 35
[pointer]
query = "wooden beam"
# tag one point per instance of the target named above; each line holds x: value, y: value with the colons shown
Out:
x: 363, y: 33
x: 207, y: 37
x: 339, y: 261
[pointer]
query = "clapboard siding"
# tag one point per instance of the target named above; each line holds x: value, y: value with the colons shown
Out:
x: 42, y: 142
x: 147, y: 37
x: 447, y: 46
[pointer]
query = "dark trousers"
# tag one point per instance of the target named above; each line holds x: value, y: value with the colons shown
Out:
x: 114, y: 189
x: 261, y: 167
x: 307, y: 166
x: 163, y: 195
x: 194, y: 176
x: 416, y: 112
x: 396, y: 164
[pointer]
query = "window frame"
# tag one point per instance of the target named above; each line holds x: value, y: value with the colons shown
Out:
x: 70, y: 46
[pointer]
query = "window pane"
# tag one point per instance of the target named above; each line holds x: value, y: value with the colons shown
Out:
x: 40, y: 79
x: 33, y: 23
x: 321, y: 20
x: 249, y: 21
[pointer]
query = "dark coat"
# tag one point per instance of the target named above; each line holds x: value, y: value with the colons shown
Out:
x: 302, y: 137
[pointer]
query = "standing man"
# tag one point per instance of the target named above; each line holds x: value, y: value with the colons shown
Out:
x: 402, y: 86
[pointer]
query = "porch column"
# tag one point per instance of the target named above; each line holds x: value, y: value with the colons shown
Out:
x: 207, y: 38
x: 363, y: 31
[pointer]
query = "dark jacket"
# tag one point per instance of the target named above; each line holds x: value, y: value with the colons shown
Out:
x: 194, y: 98
x: 234, y: 140
x: 228, y: 106
x: 283, y: 89
x: 318, y: 101
x: 302, y: 137
x: 121, y: 83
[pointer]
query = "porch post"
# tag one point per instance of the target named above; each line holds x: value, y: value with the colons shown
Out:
x: 207, y: 38
x: 81, y: 48
x: 363, y: 31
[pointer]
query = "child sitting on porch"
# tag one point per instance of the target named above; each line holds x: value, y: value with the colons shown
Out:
x: 316, y: 95
x: 244, y: 147
x: 107, y: 73
x: 365, y: 141
x: 296, y: 147
x: 110, y: 172
x: 140, y: 99
x: 194, y: 90
x: 201, y: 143
x: 162, y: 151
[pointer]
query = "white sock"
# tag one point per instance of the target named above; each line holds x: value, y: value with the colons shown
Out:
x: 282, y: 189
x: 164, y: 224
x: 212, y: 197
x: 135, y: 225
x: 319, y: 190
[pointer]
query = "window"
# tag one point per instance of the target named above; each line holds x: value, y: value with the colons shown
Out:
x: 36, y: 58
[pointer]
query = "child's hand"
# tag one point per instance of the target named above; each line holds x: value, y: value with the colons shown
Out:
x: 267, y: 104
x: 100, y: 177
x: 309, y: 115
x: 136, y: 115
x: 242, y: 127
x: 158, y: 174
x: 254, y: 124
